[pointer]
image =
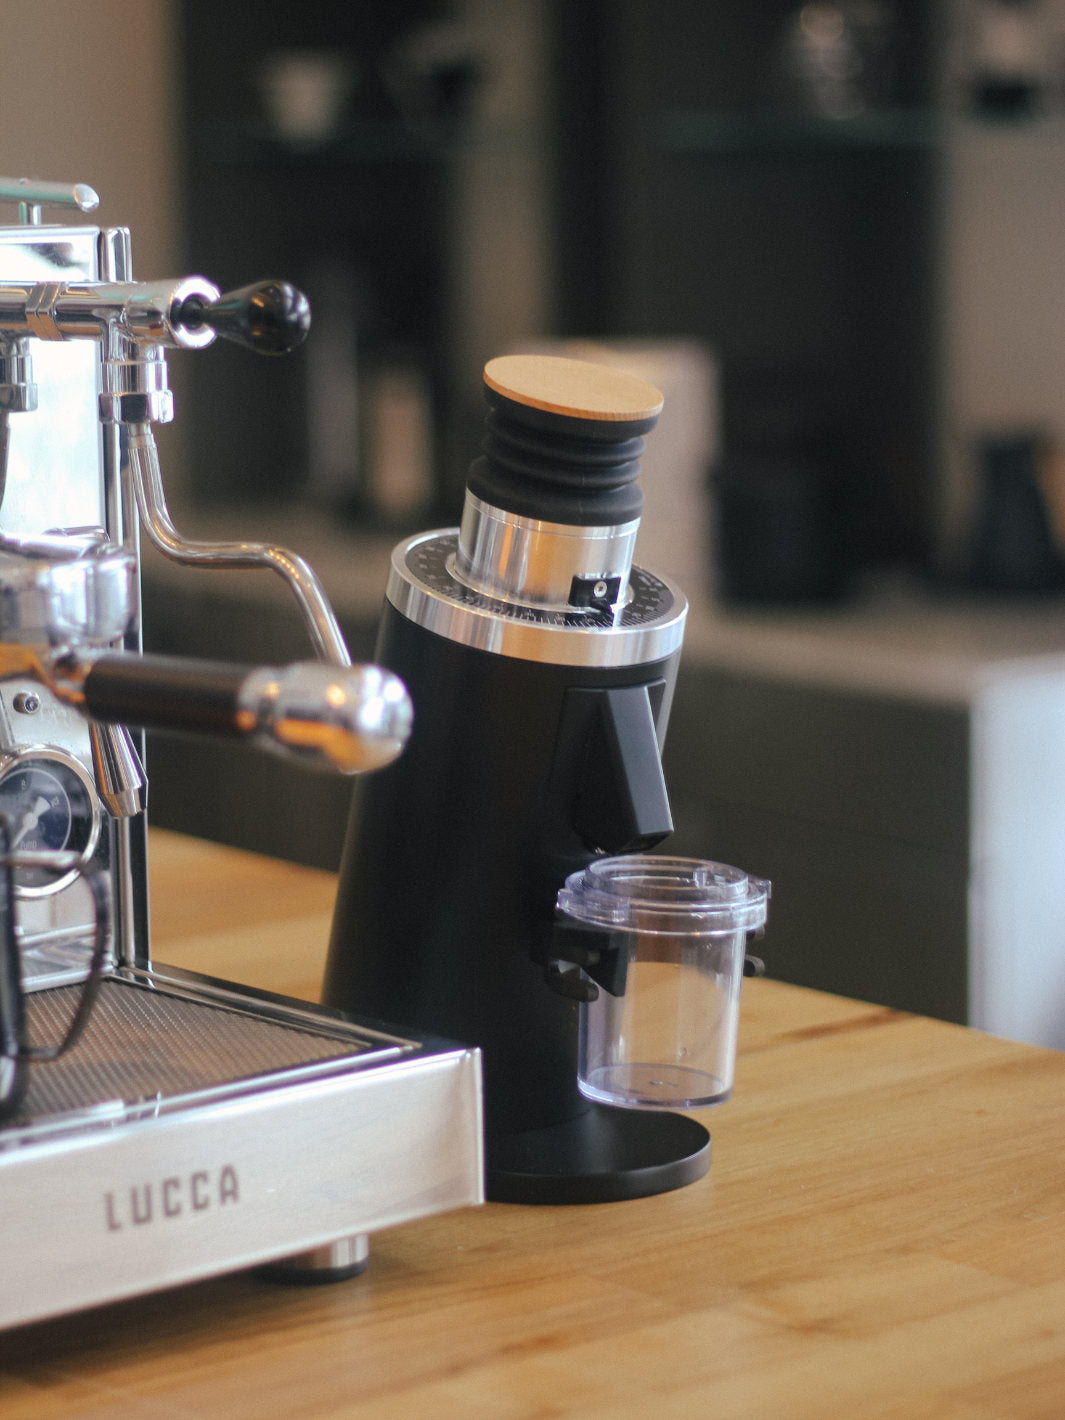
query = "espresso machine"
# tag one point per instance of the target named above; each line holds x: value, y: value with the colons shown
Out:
x: 158, y: 1126
x: 541, y: 661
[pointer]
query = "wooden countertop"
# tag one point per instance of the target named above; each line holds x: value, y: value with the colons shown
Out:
x: 882, y: 1234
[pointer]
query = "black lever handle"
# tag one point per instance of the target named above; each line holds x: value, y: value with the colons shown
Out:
x: 344, y: 719
x: 271, y: 317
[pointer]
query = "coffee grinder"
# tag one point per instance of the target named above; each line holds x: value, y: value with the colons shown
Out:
x: 541, y: 663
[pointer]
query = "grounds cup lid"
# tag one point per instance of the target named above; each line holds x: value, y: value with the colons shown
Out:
x: 643, y: 892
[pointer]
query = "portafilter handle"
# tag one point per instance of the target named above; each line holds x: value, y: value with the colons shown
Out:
x: 325, y: 717
x: 345, y: 719
x: 68, y: 597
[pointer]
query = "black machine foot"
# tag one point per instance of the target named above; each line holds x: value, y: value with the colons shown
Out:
x: 334, y: 1262
x: 602, y: 1156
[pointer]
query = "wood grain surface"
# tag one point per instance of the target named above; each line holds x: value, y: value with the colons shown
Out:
x: 578, y: 388
x: 882, y: 1234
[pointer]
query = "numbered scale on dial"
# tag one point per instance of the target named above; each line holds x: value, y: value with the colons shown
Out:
x: 432, y: 561
x: 48, y: 802
x: 425, y: 587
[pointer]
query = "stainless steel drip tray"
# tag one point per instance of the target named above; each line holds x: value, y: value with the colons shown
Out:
x: 198, y: 1128
x: 150, y: 1043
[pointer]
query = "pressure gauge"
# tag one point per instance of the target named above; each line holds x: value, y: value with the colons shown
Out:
x: 49, y: 802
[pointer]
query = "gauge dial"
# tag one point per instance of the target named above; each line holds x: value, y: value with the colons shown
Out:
x: 49, y: 804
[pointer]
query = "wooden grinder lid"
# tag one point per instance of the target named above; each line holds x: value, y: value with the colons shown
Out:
x: 577, y: 389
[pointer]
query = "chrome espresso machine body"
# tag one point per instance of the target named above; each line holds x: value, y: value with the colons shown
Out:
x: 157, y: 1126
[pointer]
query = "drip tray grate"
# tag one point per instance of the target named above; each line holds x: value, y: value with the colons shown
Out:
x: 143, y: 1043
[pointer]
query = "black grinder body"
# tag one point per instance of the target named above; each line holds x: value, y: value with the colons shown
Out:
x: 456, y: 852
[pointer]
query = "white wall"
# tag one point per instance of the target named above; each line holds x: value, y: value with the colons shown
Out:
x: 1001, y: 265
x: 1003, y: 294
x: 88, y: 94
x: 500, y: 239
x: 1017, y: 907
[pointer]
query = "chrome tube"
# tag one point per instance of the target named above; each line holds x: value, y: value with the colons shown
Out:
x: 148, y: 313
x: 31, y: 194
x: 533, y: 562
x: 147, y: 482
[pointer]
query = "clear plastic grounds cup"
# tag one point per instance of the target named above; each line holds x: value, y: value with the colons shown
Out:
x: 661, y: 942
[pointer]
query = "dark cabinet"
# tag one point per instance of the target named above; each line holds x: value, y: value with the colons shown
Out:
x: 708, y: 191
x: 696, y: 188
x: 316, y: 141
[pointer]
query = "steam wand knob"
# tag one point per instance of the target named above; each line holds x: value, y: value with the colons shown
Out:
x: 271, y: 317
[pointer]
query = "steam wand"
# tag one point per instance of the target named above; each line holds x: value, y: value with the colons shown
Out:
x: 151, y: 505
x: 69, y: 598
x: 271, y: 318
x: 137, y: 323
x: 353, y: 721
